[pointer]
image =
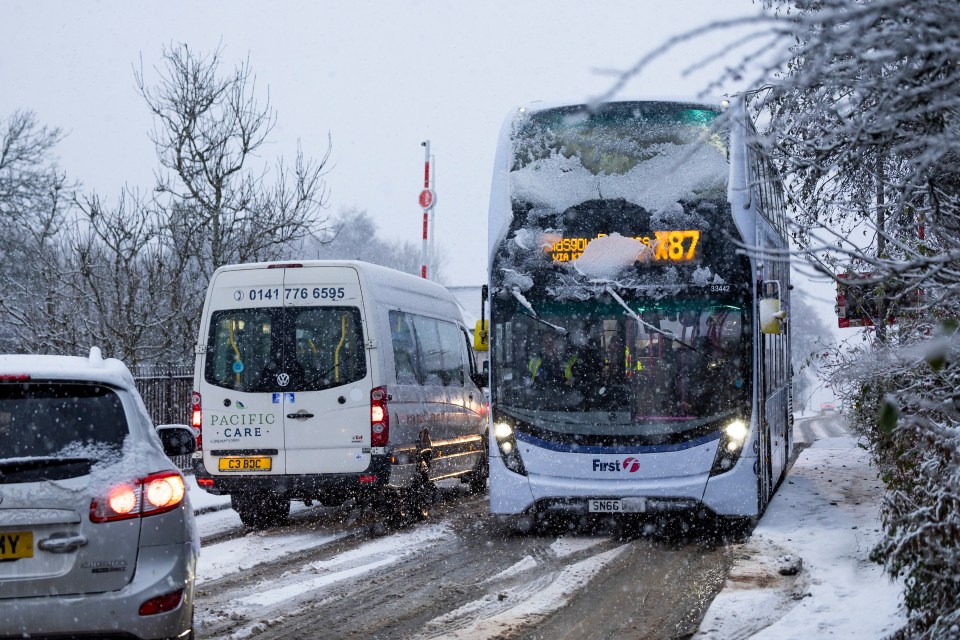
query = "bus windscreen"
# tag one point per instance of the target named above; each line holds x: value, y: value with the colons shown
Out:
x: 666, y: 372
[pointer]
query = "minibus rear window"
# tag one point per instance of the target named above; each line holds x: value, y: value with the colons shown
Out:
x: 285, y: 349
x: 329, y: 346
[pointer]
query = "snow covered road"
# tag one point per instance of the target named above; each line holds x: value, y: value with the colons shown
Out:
x: 325, y: 575
x: 456, y: 575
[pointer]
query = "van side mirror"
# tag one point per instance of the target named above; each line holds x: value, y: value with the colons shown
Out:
x: 479, y: 379
x: 177, y: 439
x: 481, y: 336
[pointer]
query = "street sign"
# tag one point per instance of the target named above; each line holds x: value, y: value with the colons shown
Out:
x: 427, y: 199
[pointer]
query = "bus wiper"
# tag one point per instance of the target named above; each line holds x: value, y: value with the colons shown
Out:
x: 533, y: 314
x: 633, y: 314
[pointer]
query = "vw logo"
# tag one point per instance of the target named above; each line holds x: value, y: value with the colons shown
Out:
x: 631, y: 464
x: 283, y: 379
x: 238, y: 295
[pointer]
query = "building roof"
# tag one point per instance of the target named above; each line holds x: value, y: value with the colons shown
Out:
x: 468, y: 298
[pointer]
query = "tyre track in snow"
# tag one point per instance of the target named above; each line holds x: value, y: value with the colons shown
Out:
x: 455, y: 576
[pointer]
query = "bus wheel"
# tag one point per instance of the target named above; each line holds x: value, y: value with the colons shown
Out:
x: 734, y: 528
x: 258, y: 511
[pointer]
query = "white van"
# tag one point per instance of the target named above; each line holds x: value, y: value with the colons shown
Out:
x: 324, y: 380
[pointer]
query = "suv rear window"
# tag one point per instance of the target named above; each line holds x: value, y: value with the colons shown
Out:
x: 44, y: 419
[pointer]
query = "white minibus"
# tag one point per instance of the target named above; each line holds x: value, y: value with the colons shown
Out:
x: 329, y: 380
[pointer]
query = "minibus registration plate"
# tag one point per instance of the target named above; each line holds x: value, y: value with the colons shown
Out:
x: 245, y: 464
x: 621, y: 505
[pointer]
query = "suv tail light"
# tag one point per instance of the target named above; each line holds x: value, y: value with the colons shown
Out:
x: 160, y: 604
x: 379, y: 418
x: 157, y: 493
x: 196, y: 418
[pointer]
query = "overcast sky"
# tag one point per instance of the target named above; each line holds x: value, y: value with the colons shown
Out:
x: 379, y: 77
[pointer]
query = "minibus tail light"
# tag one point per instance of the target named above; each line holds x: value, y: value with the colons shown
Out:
x: 379, y: 418
x: 196, y: 418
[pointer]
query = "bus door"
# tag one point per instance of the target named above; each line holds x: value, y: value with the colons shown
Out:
x: 326, y: 407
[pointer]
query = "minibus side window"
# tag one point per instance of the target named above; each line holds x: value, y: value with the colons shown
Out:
x: 239, y: 347
x: 468, y: 354
x: 428, y: 343
x: 452, y: 373
x: 404, y: 348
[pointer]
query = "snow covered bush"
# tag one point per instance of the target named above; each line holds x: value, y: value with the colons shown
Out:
x: 904, y: 401
x: 863, y: 120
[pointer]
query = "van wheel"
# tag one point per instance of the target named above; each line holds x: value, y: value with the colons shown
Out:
x: 332, y: 499
x: 259, y: 511
x: 417, y: 497
x: 478, y: 477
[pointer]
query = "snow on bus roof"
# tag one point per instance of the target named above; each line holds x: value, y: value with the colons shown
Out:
x: 557, y: 183
x: 712, y: 102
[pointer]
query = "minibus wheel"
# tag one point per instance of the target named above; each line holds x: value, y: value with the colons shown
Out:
x: 416, y: 497
x: 260, y: 510
x: 478, y: 477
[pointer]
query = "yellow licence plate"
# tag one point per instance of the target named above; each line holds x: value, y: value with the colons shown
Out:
x: 16, y: 544
x: 245, y: 464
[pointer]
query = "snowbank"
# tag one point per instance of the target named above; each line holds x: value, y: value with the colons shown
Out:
x: 805, y: 572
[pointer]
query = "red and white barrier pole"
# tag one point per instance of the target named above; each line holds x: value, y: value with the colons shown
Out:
x: 426, y: 201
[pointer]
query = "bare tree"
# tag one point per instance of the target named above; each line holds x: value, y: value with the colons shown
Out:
x: 862, y: 104
x: 34, y: 198
x: 123, y: 279
x: 209, y: 128
x: 27, y: 172
x: 353, y: 236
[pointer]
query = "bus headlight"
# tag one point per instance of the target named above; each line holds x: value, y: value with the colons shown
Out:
x: 507, y: 443
x: 732, y: 438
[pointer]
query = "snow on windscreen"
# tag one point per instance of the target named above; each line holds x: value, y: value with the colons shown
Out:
x: 650, y: 154
x: 604, y: 258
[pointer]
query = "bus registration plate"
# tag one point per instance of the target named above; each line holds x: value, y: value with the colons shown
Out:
x: 622, y: 505
x: 245, y: 464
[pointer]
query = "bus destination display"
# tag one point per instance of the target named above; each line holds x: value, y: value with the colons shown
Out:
x: 668, y: 246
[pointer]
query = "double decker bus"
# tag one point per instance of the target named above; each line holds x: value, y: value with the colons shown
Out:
x: 639, y: 288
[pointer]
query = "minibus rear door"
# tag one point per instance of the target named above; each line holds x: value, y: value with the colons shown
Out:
x: 327, y: 411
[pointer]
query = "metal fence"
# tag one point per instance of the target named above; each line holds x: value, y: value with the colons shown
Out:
x: 166, y: 392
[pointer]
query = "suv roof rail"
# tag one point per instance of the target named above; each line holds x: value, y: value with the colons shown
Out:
x: 96, y: 358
